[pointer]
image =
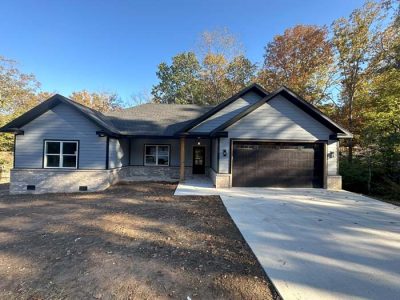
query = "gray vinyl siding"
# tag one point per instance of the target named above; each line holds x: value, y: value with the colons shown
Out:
x: 214, y: 154
x: 227, y: 112
x: 137, y: 150
x: 60, y: 123
x: 333, y: 147
x: 224, y: 161
x: 118, y: 153
x: 277, y: 119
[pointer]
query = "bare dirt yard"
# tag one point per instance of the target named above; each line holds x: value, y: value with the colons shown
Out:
x: 134, y: 241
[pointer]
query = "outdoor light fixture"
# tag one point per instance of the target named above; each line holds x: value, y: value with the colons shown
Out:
x: 198, y: 141
x: 331, y: 154
x: 101, y: 133
x: 224, y: 152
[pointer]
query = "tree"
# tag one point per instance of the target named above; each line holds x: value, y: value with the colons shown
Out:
x: 219, y: 42
x: 353, y: 40
x: 221, y: 79
x: 301, y: 58
x: 100, y: 101
x: 213, y: 77
x: 17, y: 94
x: 139, y: 98
x: 221, y: 72
x: 382, y: 105
x: 179, y: 82
x: 240, y: 72
x: 225, y: 69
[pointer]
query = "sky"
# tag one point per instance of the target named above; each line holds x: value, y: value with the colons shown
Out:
x: 116, y: 45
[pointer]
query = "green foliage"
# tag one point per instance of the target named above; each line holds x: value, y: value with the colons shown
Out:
x: 6, y: 160
x: 240, y: 72
x: 17, y: 92
x: 100, y: 101
x: 301, y: 58
x: 180, y: 81
x: 354, y: 39
x: 216, y: 72
x: 186, y: 81
x: 365, y: 175
x: 354, y: 175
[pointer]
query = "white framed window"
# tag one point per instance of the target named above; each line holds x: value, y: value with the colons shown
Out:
x: 156, y: 155
x: 61, y: 154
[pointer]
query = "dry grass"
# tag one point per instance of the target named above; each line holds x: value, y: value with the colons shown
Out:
x: 6, y: 161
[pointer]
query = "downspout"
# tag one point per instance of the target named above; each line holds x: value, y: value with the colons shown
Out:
x: 107, y: 152
x: 15, y: 143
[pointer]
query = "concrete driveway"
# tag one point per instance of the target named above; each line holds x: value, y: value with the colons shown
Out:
x: 318, y: 244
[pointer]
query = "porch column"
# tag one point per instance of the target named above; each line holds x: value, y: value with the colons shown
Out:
x: 182, y: 160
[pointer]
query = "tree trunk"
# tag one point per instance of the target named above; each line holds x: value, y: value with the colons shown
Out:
x: 350, y: 151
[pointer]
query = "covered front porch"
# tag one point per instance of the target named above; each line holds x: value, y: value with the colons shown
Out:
x: 155, y: 158
x: 216, y: 158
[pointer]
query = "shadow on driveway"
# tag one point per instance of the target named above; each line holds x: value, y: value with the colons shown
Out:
x: 318, y: 244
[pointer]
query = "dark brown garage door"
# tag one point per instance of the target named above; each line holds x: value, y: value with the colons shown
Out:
x: 258, y: 164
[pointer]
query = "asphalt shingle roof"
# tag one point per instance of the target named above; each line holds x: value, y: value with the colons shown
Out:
x: 155, y: 119
x: 166, y: 119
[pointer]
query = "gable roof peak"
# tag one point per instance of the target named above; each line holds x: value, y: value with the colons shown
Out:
x: 91, y: 114
x: 254, y: 86
x: 297, y: 100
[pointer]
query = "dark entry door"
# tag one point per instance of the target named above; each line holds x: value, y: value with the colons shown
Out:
x: 257, y: 164
x: 198, y: 160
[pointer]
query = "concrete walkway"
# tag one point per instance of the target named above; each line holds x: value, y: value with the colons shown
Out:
x: 318, y: 244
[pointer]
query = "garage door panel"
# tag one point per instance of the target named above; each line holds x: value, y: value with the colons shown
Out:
x: 257, y: 164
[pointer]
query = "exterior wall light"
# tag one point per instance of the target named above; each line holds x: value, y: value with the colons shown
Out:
x: 101, y: 133
x: 331, y: 154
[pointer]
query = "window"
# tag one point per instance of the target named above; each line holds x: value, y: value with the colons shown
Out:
x: 61, y: 154
x: 156, y: 155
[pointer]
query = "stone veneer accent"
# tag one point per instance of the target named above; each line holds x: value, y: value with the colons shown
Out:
x: 69, y: 181
x: 155, y: 173
x: 334, y: 182
x: 60, y: 181
x: 220, y: 180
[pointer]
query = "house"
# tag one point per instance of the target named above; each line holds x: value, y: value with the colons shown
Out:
x: 253, y: 139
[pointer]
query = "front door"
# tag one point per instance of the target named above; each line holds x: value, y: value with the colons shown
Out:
x: 198, y: 160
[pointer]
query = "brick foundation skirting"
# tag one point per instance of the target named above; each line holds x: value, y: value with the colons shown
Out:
x: 334, y: 182
x: 220, y: 180
x: 70, y: 181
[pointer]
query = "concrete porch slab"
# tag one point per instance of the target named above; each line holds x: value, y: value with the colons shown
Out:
x: 196, y: 186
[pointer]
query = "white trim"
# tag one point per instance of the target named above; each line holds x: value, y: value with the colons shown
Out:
x: 60, y: 155
x: 156, y: 155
